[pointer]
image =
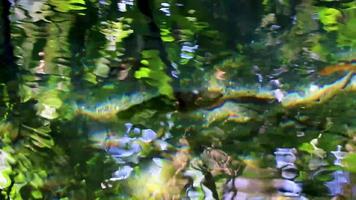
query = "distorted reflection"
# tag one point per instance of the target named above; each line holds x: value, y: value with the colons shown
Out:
x: 177, y: 99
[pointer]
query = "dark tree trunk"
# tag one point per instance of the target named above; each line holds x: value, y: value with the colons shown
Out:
x: 7, y: 61
x: 146, y: 8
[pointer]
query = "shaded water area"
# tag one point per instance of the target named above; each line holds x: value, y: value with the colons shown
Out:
x: 178, y: 99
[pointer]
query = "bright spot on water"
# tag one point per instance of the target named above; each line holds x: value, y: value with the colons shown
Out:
x: 122, y: 173
x: 148, y: 135
x: 165, y: 9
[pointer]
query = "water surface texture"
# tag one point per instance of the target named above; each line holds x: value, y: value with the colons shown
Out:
x: 178, y: 99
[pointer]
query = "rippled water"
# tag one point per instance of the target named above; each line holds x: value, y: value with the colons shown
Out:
x: 180, y: 99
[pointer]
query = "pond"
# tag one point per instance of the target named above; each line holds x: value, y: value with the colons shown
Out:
x: 178, y: 99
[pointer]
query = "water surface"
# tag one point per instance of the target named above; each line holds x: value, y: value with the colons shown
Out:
x: 178, y: 99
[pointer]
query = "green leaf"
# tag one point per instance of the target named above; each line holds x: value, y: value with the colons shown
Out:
x: 68, y: 5
x: 50, y: 98
x: 20, y: 178
x: 143, y: 72
x: 15, y: 191
x: 116, y: 31
x: 36, y: 181
x: 90, y: 77
x: 41, y: 141
x: 166, y: 35
x: 307, y: 147
x: 46, y: 111
x: 350, y: 162
x: 5, y: 180
x: 145, y: 62
x: 153, y: 72
x: 25, y: 93
x: 102, y: 69
x: 329, y: 18
x: 37, y: 194
x: 347, y: 29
